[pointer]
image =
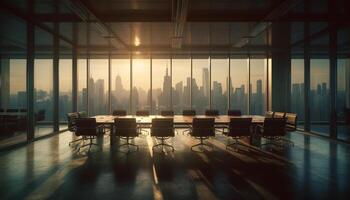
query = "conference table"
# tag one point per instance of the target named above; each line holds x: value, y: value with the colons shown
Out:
x: 180, y: 121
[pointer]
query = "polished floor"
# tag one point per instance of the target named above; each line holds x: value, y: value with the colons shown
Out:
x: 315, y: 168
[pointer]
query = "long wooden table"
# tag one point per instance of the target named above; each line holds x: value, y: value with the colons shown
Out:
x: 180, y: 121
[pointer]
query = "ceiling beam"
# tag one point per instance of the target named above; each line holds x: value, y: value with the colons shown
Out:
x: 179, y: 15
x: 87, y: 15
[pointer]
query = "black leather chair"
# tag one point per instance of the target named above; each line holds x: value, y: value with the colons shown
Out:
x: 119, y: 113
x: 1, y: 110
x: 88, y: 129
x: 189, y: 113
x: 237, y: 129
x: 211, y: 112
x: 71, y: 119
x: 143, y: 113
x: 162, y: 129
x: 269, y: 114
x: 83, y: 114
x: 12, y: 110
x: 126, y: 128
x: 167, y: 113
x: 202, y: 129
x: 291, y: 125
x: 273, y: 130
x: 279, y: 115
x: 234, y: 113
x: 40, y: 115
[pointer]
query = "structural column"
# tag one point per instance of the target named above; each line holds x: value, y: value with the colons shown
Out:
x: 4, y: 83
x: 333, y: 79
x: 75, y: 68
x: 281, y: 67
x: 306, y: 78
x: 56, y: 78
x: 30, y: 81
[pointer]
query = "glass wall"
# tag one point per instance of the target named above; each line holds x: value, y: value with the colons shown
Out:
x: 319, y: 96
x: 141, y: 84
x: 181, y: 84
x: 98, y: 87
x: 200, y: 84
x: 219, y: 84
x: 120, y: 86
x: 257, y: 85
x: 161, y: 85
x: 239, y: 85
x: 343, y: 86
x: 297, y: 89
x: 82, y: 85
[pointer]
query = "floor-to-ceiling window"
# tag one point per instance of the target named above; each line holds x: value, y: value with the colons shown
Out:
x: 82, y: 85
x: 343, y: 91
x: 120, y: 83
x: 219, y: 84
x: 140, y: 84
x: 98, y: 87
x: 181, y: 83
x: 297, y: 89
x: 200, y: 84
x: 239, y: 84
x: 319, y: 96
x: 161, y: 85
x: 257, y: 84
x: 43, y: 83
x: 65, y: 87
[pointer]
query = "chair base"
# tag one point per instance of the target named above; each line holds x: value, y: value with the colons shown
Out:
x: 128, y: 144
x: 88, y: 144
x: 74, y: 141
x: 235, y: 144
x: 277, y: 141
x: 163, y: 144
x: 201, y: 144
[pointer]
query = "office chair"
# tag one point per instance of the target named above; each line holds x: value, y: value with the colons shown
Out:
x: 279, y: 115
x: 272, y: 131
x: 119, y: 113
x: 162, y: 129
x: 234, y: 113
x: 71, y: 118
x: 202, y: 129
x: 237, y: 129
x: 211, y: 112
x: 126, y: 128
x: 88, y: 129
x: 269, y: 114
x: 167, y: 113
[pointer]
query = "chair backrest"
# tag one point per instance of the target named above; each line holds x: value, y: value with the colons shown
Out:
x: 189, y: 113
x: 119, y: 113
x: 212, y: 112
x: 2, y: 110
x: 274, y: 127
x: 291, y: 120
x: 167, y: 113
x: 162, y: 127
x: 203, y: 127
x: 240, y: 127
x: 125, y: 127
x: 86, y: 126
x: 12, y: 110
x: 234, y: 113
x: 269, y: 114
x: 71, y: 118
x: 23, y: 110
x: 279, y: 115
x: 40, y: 116
x: 142, y: 113
x: 82, y: 114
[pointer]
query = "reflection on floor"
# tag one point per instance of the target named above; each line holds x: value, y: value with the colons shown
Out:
x: 314, y: 168
x: 7, y: 140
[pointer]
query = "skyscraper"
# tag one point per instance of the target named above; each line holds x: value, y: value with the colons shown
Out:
x: 205, y: 82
